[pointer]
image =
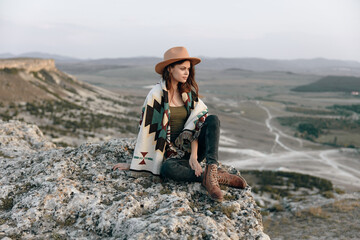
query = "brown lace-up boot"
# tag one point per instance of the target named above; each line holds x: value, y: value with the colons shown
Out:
x: 210, y: 182
x: 230, y: 179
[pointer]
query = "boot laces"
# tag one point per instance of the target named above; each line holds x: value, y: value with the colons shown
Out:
x: 214, y: 176
x: 223, y: 180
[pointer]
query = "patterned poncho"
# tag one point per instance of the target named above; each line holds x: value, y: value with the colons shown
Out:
x: 153, y: 142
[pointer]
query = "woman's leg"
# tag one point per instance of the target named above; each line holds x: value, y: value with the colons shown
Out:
x: 209, y: 140
x: 179, y: 170
x: 208, y: 147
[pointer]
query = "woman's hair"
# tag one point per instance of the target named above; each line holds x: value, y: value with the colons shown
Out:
x: 190, y: 83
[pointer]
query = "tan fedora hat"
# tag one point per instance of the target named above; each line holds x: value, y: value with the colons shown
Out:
x: 173, y: 55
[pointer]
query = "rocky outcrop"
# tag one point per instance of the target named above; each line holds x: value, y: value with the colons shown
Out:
x: 72, y: 193
x: 29, y: 64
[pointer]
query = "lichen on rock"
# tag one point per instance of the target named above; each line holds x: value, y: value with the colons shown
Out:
x: 73, y: 193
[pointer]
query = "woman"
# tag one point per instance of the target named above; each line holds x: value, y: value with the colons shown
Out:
x: 176, y: 133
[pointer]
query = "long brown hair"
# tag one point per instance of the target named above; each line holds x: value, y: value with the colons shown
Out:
x: 189, y: 85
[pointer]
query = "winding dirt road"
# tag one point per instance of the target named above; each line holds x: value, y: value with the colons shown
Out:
x: 341, y: 166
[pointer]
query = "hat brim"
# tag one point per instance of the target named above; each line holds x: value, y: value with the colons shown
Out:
x: 161, y: 65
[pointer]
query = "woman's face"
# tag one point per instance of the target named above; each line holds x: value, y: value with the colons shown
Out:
x: 180, y: 72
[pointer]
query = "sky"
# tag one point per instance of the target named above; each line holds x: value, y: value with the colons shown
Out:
x: 271, y: 29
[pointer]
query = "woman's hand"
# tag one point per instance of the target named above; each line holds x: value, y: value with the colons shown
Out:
x: 195, y: 165
x: 121, y: 166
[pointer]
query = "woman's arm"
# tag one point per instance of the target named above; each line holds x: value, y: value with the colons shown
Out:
x: 194, y: 147
x: 194, y: 164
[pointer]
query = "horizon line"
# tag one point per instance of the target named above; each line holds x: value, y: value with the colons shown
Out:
x: 200, y: 56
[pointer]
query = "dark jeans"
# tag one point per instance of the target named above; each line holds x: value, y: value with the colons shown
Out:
x: 208, y: 145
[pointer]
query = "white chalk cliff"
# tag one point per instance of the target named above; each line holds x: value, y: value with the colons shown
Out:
x: 29, y: 64
x: 71, y: 193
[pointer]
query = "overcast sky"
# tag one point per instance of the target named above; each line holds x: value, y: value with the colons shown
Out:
x: 272, y: 29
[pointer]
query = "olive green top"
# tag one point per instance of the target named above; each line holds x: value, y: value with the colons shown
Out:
x: 178, y: 117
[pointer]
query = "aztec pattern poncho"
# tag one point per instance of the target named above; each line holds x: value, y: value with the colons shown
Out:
x: 153, y: 142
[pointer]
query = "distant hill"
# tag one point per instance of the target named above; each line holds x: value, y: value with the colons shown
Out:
x: 331, y: 84
x: 56, y: 57
x: 67, y: 110
x: 318, y: 66
x: 303, y: 66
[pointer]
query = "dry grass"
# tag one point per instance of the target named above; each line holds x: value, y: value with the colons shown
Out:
x: 338, y: 220
x: 317, y: 212
x: 345, y: 206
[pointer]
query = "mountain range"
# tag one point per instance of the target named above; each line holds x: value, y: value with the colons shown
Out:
x: 319, y: 66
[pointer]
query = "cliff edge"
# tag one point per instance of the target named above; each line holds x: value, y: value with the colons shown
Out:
x: 29, y: 64
x: 70, y: 193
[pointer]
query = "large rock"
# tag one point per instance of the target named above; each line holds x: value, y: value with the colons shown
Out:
x: 73, y: 193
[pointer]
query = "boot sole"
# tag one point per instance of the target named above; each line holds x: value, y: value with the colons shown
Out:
x: 216, y: 200
x: 212, y: 198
